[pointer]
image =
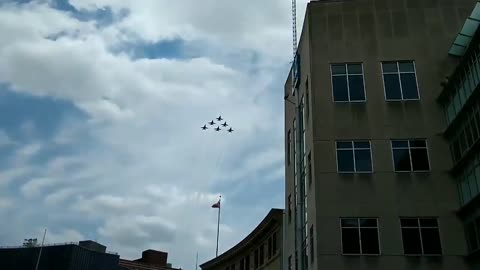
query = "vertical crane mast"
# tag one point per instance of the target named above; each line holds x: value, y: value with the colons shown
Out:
x: 294, y: 26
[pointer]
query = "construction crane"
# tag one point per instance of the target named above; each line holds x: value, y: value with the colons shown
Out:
x: 294, y: 26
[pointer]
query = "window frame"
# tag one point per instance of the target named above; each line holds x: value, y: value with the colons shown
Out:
x: 410, y: 155
x: 400, y: 79
x: 420, y: 234
x: 354, y: 162
x: 360, y: 237
x: 348, y: 82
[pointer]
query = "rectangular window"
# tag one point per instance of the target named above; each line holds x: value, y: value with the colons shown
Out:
x: 410, y: 155
x: 400, y: 80
x: 262, y: 254
x: 242, y: 264
x: 232, y: 267
x: 354, y: 156
x: 289, y: 208
x: 348, y: 83
x: 360, y: 236
x: 309, y: 172
x: 274, y: 243
x: 312, y: 254
x: 255, y: 259
x: 421, y: 236
x: 289, y: 145
x: 290, y: 266
x: 269, y: 247
x: 247, y: 262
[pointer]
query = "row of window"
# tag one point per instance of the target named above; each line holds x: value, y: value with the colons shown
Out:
x: 399, y: 80
x: 258, y: 255
x: 308, y: 247
x: 464, y: 86
x: 469, y: 185
x: 407, y: 155
x: 472, y: 230
x: 420, y: 236
x: 467, y: 134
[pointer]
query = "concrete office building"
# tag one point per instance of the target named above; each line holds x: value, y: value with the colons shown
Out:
x: 461, y: 103
x: 368, y: 179
x: 260, y: 250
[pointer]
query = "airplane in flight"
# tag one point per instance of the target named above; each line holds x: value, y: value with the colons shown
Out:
x: 230, y: 130
x: 218, y: 129
x: 219, y: 118
x: 211, y: 123
x: 225, y: 124
x: 204, y: 127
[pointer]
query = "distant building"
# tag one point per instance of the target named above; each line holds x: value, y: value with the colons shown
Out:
x: 151, y: 260
x: 261, y: 249
x: 86, y: 255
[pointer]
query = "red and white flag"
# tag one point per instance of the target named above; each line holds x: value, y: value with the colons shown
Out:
x: 216, y: 205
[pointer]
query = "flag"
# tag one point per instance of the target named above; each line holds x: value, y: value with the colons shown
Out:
x: 216, y: 205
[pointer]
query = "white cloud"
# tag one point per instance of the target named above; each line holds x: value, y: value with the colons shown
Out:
x: 143, y: 175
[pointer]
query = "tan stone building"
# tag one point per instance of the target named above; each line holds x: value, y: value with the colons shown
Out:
x: 260, y: 250
x: 368, y: 179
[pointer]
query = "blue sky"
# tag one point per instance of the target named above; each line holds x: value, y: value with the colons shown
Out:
x: 101, y: 104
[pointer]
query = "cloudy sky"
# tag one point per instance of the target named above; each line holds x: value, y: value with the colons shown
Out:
x: 101, y: 103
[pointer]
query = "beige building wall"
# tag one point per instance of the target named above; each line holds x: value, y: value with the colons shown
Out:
x: 370, y: 32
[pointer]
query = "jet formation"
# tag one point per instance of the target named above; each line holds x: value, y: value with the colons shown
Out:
x: 219, y: 125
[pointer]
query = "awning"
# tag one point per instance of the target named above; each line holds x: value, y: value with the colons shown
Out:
x: 461, y: 43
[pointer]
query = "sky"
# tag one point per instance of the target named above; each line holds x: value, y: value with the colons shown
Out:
x: 101, y: 104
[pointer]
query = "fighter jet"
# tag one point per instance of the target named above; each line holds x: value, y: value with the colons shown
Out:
x: 211, y: 123
x: 204, y: 127
x: 225, y: 124
x: 219, y: 118
x: 230, y: 130
x: 218, y: 129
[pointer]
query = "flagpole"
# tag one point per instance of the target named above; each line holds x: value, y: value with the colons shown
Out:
x: 218, y: 224
x: 41, y: 247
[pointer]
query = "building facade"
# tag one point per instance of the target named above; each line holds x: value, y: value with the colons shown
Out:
x: 369, y: 183
x: 86, y: 255
x: 461, y: 104
x: 260, y: 250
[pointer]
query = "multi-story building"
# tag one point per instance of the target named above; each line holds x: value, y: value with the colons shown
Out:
x: 461, y: 103
x: 260, y: 250
x: 368, y: 179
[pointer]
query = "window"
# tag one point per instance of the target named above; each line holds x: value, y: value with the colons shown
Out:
x: 421, y: 236
x: 274, y: 243
x: 289, y: 147
x: 354, y: 156
x: 290, y: 262
x: 242, y: 264
x: 296, y: 260
x: 309, y: 172
x: 247, y: 262
x: 255, y: 259
x: 232, y: 267
x: 269, y: 247
x: 262, y: 254
x: 312, y: 255
x: 410, y: 155
x: 400, y: 80
x: 289, y: 208
x: 360, y: 236
x: 347, y: 82
x: 227, y: 267
x: 472, y: 230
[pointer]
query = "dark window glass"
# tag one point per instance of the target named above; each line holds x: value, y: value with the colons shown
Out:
x: 262, y: 254
x: 247, y: 262
x: 345, y: 161
x: 468, y: 133
x: 350, y: 222
x: 338, y: 69
x: 355, y: 83
x: 406, y: 67
x: 340, y: 88
x: 420, y: 159
x: 290, y: 263
x: 369, y: 238
x: 418, y: 143
x: 269, y: 246
x: 428, y: 222
x: 344, y: 145
x: 390, y: 67
x: 431, y: 241
x: 411, y: 241
x: 457, y: 154
x: 409, y: 86
x: 392, y: 86
x: 350, y: 241
x: 242, y: 264
x: 398, y: 144
x: 472, y: 237
x: 363, y: 161
x: 368, y: 222
x: 311, y: 245
x: 232, y: 267
x: 274, y: 243
x: 401, y: 160
x: 362, y: 145
x: 355, y: 69
x: 255, y: 259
